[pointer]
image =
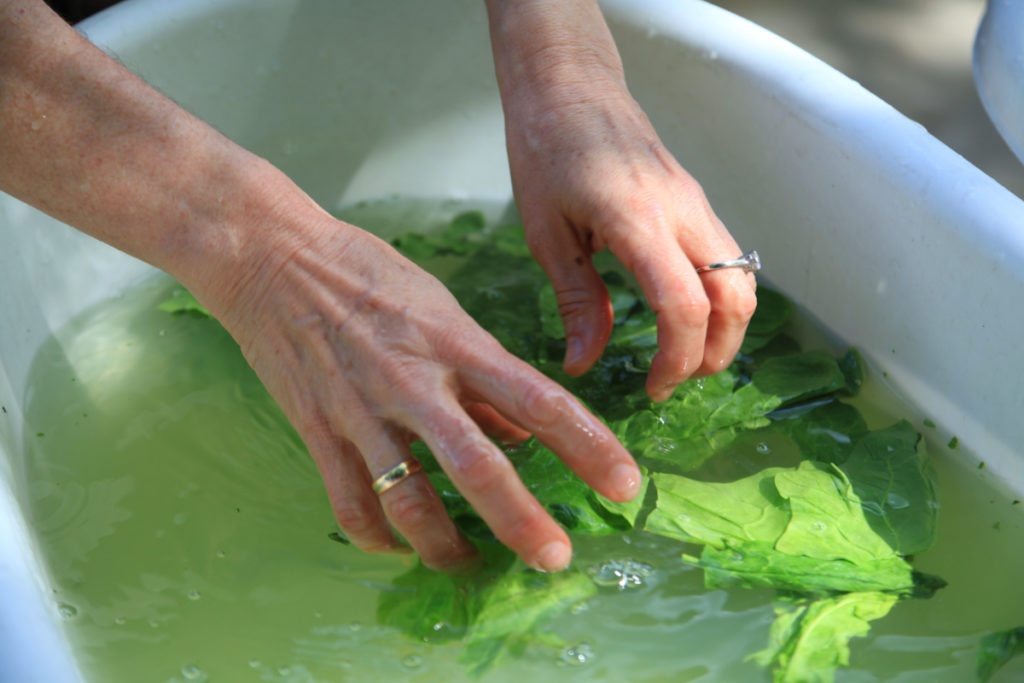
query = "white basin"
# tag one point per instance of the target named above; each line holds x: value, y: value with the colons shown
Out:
x: 890, y: 238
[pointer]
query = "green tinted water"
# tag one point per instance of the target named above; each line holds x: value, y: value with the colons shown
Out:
x: 186, y: 533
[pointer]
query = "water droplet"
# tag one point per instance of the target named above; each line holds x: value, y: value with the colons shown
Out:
x: 38, y: 123
x: 580, y: 607
x: 255, y: 664
x: 192, y: 672
x: 577, y: 655
x: 119, y: 620
x: 67, y: 611
x: 412, y: 661
x: 221, y: 554
x: 819, y: 525
x: 354, y: 626
x: 193, y: 594
x: 763, y: 448
x: 621, y: 573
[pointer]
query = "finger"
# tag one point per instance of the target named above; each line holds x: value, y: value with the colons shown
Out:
x: 412, y: 506
x: 558, y: 420
x: 733, y: 301
x: 344, y: 473
x: 675, y: 293
x: 582, y: 297
x: 491, y: 485
x: 495, y: 425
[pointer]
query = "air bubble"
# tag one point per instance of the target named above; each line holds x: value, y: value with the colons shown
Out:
x: 192, y: 672
x: 763, y: 448
x: 623, y: 574
x: 67, y: 611
x: 577, y: 655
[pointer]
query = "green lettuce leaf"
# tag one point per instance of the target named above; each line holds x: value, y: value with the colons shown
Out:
x: 181, y: 302
x: 996, y: 649
x: 810, y: 639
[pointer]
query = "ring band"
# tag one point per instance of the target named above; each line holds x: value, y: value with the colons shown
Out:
x: 749, y: 262
x: 396, y: 475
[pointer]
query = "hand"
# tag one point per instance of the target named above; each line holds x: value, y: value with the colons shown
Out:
x: 362, y: 350
x: 589, y: 172
x: 365, y: 352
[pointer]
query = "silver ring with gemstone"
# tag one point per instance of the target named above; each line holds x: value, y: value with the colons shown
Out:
x: 749, y: 262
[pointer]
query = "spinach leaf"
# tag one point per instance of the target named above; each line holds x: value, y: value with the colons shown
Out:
x: 895, y: 487
x: 772, y: 313
x: 825, y: 431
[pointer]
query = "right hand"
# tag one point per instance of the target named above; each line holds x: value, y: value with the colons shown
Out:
x: 365, y: 352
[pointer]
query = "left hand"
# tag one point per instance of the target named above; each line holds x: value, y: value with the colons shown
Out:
x: 590, y: 172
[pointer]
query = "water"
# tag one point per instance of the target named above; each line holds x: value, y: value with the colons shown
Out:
x: 186, y: 533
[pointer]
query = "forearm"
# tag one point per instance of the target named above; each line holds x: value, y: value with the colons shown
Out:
x: 84, y: 140
x: 557, y: 50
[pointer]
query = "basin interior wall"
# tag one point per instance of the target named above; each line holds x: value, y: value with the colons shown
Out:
x: 885, y: 235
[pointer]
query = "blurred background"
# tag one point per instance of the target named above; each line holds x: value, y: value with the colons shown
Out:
x: 914, y: 54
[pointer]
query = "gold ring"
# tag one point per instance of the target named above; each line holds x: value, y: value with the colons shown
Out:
x: 396, y: 474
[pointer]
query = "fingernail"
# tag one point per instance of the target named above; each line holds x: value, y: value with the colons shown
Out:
x: 554, y: 557
x: 625, y: 481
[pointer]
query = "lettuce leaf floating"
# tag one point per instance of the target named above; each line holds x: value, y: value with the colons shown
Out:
x: 799, y: 529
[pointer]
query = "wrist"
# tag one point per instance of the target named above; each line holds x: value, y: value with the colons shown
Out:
x: 553, y: 52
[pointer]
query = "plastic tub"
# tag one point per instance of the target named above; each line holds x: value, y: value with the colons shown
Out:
x: 891, y: 239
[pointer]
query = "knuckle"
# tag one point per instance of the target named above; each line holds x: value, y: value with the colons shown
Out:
x: 695, y: 309
x: 410, y: 509
x: 743, y: 306
x: 525, y: 532
x: 479, y: 468
x: 544, y: 403
x: 360, y: 518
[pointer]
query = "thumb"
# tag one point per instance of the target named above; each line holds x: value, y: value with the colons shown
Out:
x: 581, y: 295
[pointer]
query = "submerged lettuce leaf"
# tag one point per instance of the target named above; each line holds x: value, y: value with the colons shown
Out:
x: 810, y: 639
x: 996, y: 649
x: 181, y: 301
x: 495, y: 610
